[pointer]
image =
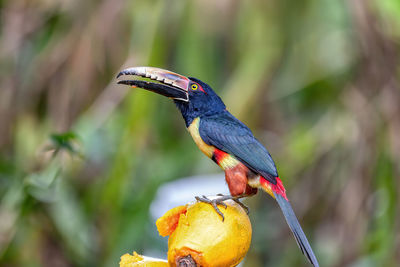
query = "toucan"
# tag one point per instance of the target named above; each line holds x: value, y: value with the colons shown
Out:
x: 226, y: 140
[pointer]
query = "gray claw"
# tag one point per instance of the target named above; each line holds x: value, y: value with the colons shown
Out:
x: 220, y: 201
x: 214, y: 203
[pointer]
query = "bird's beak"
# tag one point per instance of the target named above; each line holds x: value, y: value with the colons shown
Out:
x: 167, y: 83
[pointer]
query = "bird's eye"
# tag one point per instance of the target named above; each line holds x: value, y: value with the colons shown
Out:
x: 194, y: 87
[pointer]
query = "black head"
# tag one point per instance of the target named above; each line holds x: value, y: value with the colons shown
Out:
x: 203, y: 101
x: 193, y: 97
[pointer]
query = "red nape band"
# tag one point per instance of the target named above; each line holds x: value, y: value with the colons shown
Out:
x: 277, y: 188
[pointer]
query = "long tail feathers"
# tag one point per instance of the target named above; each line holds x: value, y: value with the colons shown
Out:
x: 294, y: 225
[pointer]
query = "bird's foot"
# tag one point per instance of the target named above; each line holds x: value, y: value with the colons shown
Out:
x: 220, y: 201
x: 237, y: 200
x: 214, y: 203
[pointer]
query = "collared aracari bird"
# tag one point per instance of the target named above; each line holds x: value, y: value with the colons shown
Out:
x: 223, y: 138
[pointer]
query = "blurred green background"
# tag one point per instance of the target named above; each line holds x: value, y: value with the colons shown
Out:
x: 82, y: 158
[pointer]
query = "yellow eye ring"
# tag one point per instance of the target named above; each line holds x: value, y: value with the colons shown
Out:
x: 194, y: 87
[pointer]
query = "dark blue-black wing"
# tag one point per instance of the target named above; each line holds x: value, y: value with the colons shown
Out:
x: 230, y: 135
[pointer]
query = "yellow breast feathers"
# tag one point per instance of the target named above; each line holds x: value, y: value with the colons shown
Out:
x: 194, y: 132
x: 224, y: 160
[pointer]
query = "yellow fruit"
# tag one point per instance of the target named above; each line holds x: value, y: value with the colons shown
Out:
x: 169, y: 221
x: 137, y: 260
x: 197, y: 230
